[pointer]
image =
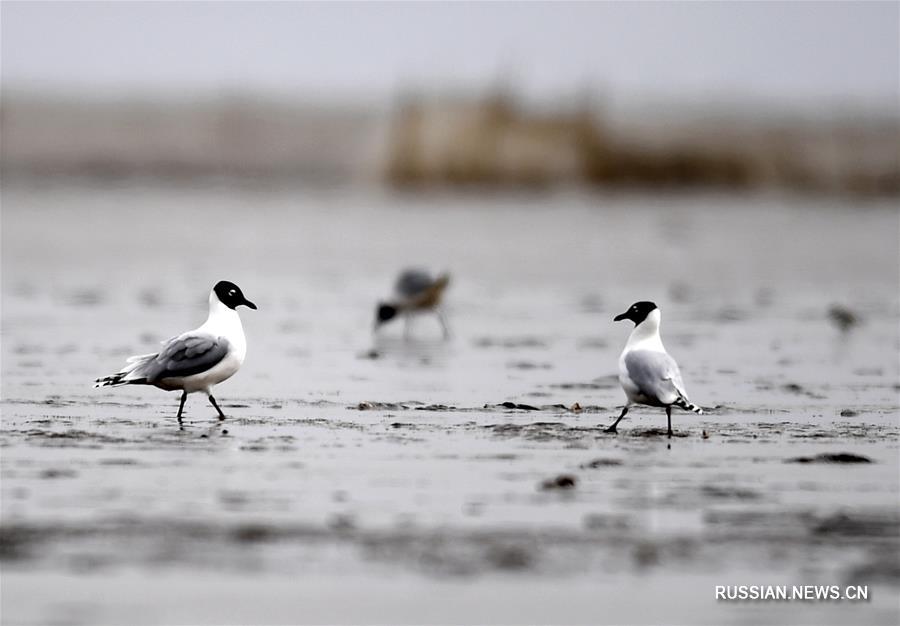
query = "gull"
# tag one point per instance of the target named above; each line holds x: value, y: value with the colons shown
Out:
x: 647, y: 373
x: 414, y: 291
x: 198, y: 359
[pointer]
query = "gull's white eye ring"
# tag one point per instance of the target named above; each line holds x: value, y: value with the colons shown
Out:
x: 231, y: 292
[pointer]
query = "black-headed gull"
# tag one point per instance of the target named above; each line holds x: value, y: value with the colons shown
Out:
x: 646, y: 371
x: 198, y: 359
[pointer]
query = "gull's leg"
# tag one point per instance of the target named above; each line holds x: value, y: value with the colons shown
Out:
x: 669, y: 417
x: 612, y: 429
x: 443, y: 320
x: 406, y: 317
x: 213, y: 402
x: 181, y: 406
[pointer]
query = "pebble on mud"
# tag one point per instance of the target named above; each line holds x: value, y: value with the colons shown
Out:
x: 364, y: 406
x: 575, y: 408
x: 563, y: 481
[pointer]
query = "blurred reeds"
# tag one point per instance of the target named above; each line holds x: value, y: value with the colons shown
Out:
x: 493, y: 141
x: 231, y: 137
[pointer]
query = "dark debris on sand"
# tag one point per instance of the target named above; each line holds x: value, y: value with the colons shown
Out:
x: 574, y: 408
x: 380, y: 406
x: 543, y: 431
x: 884, y: 568
x: 843, y: 318
x: 801, y: 391
x: 71, y: 437
x: 513, y: 405
x: 413, y: 405
x: 718, y: 492
x: 529, y: 365
x: 402, y: 406
x: 598, y: 463
x: 510, y: 342
x: 656, y: 432
x: 604, y: 382
x: 563, y: 481
x: 830, y: 457
x: 858, y: 525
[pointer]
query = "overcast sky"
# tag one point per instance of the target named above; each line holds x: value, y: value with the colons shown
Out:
x: 792, y: 53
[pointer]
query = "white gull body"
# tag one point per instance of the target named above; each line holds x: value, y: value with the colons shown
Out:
x: 198, y: 359
x: 647, y: 373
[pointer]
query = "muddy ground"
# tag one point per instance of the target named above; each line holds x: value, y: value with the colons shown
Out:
x: 369, y: 479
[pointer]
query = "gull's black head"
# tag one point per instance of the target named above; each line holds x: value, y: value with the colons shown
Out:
x: 637, y: 312
x: 384, y: 313
x: 231, y: 295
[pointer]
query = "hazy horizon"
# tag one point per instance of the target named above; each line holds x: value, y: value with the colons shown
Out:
x: 790, y: 55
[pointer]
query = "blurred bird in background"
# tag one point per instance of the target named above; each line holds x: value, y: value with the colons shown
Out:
x: 415, y: 291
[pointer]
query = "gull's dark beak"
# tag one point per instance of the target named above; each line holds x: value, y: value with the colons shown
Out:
x: 249, y: 304
x: 620, y: 317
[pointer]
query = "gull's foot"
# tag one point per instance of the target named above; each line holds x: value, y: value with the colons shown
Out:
x: 611, y: 429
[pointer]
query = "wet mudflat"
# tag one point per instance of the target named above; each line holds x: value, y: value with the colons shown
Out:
x: 377, y: 480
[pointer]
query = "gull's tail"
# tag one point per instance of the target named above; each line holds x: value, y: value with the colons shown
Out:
x: 442, y: 281
x: 131, y: 374
x: 685, y: 404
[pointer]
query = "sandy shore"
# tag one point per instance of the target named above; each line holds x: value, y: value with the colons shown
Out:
x: 362, y: 480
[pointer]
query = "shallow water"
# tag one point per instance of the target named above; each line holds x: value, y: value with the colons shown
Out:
x: 371, y: 479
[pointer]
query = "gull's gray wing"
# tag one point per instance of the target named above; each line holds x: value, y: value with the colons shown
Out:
x: 656, y: 375
x: 185, y: 355
x: 413, y: 282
